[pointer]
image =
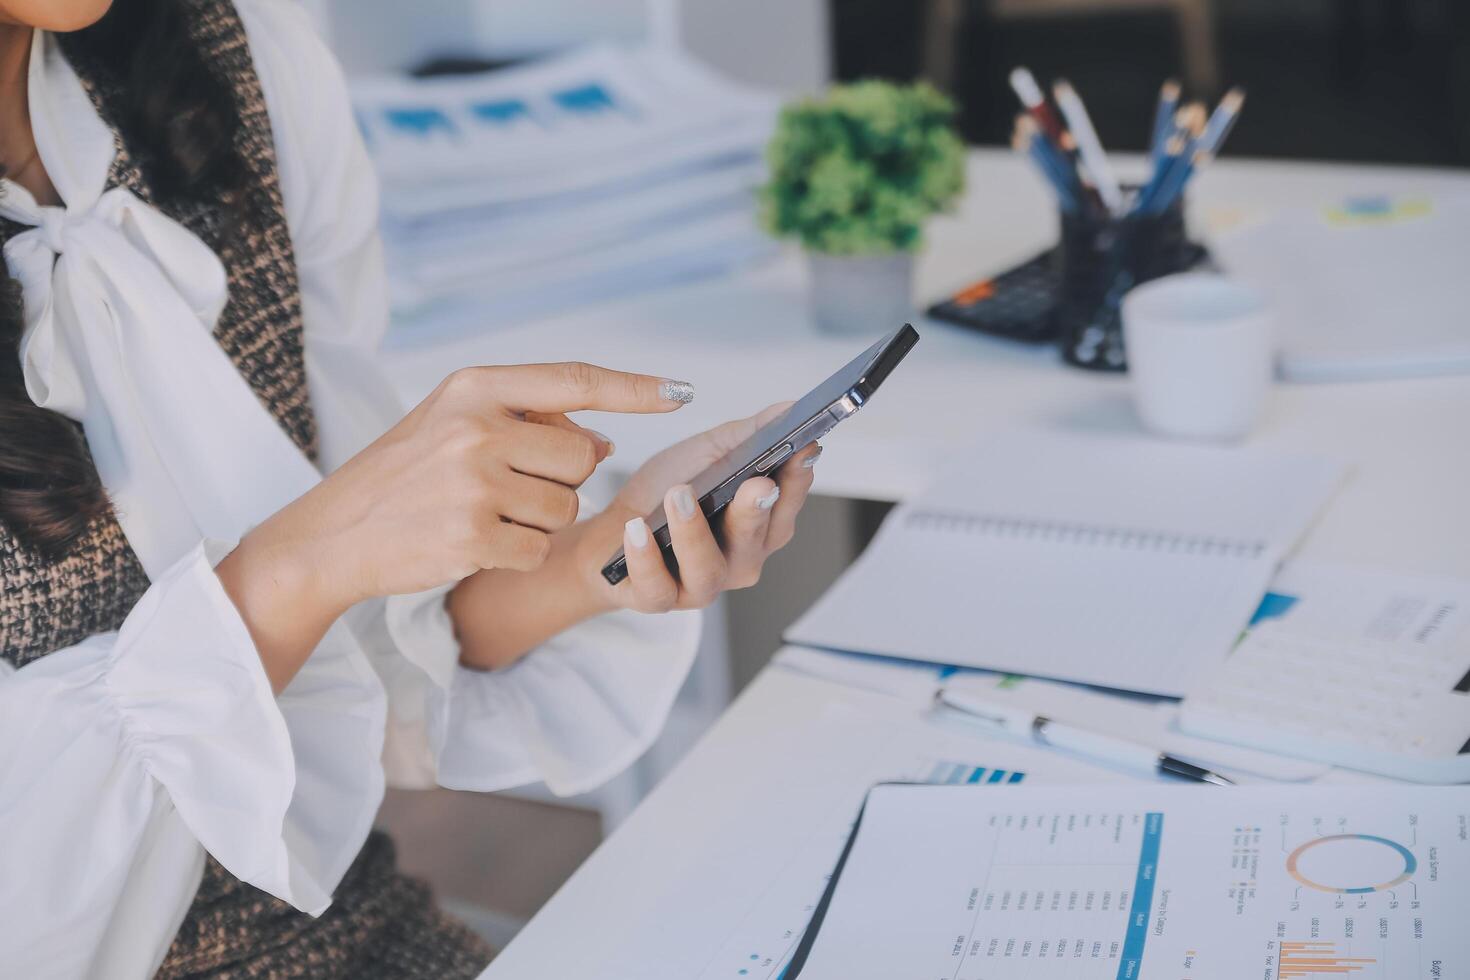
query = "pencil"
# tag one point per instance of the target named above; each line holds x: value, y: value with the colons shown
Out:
x: 1090, y: 147
x: 1168, y: 159
x: 1222, y: 120
x: 1163, y: 119
x: 1028, y: 138
x: 1173, y: 183
x: 1190, y: 120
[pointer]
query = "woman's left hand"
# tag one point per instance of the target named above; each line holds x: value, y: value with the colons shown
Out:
x: 758, y: 522
x: 500, y: 614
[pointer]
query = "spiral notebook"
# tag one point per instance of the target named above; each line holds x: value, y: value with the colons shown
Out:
x: 1123, y: 563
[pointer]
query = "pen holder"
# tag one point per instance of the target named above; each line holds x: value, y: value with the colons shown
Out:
x: 1097, y: 261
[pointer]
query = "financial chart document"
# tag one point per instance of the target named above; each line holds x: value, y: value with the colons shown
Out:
x: 1159, y: 883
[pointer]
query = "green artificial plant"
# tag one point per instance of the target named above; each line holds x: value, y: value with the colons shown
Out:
x: 857, y: 171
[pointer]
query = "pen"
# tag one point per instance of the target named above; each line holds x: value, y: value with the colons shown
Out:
x: 1023, y: 83
x: 1020, y: 721
x: 1088, y: 145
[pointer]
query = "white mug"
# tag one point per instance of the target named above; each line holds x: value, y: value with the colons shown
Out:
x: 1200, y: 355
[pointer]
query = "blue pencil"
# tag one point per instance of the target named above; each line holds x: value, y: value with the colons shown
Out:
x: 1222, y: 120
x: 1028, y: 138
x: 1173, y: 183
x: 1051, y: 166
x: 1201, y: 150
x: 1163, y: 119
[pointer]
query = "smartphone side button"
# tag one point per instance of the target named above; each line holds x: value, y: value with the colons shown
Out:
x: 773, y: 458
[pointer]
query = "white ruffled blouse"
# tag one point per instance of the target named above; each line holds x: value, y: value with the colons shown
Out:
x: 128, y: 756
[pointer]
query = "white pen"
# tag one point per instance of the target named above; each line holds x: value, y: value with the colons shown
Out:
x: 1028, y: 724
x: 1088, y: 145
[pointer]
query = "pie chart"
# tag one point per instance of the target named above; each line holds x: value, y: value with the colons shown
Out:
x: 1351, y: 864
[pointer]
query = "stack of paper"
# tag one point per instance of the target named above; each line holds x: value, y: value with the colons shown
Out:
x: 1124, y: 563
x: 596, y: 173
x: 1371, y: 288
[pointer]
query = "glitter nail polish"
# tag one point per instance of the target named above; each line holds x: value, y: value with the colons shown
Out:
x: 676, y: 391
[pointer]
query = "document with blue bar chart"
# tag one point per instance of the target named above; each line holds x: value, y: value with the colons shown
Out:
x: 1149, y: 883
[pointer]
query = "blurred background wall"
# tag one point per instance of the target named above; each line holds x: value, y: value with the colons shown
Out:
x: 779, y: 44
x: 1361, y: 80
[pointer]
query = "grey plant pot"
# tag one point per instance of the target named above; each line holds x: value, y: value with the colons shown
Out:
x: 861, y: 295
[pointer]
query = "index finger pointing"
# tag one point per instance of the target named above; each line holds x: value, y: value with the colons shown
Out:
x: 573, y: 386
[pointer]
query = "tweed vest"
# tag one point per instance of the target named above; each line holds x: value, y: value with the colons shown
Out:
x: 47, y: 605
x: 381, y: 924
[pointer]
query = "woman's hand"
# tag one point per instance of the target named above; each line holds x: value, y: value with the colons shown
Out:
x: 500, y: 615
x: 758, y: 522
x: 480, y: 475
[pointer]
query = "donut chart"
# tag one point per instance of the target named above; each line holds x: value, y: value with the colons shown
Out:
x: 1353, y: 843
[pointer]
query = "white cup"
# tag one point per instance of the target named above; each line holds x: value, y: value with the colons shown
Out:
x: 1200, y: 355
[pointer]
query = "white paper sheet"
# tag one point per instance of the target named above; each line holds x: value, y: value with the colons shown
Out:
x: 1357, y: 603
x: 785, y: 871
x: 1279, y: 883
x: 1127, y: 564
x: 1373, y: 286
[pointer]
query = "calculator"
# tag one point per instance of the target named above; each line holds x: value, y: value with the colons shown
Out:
x: 1398, y: 709
x: 1016, y: 303
x: 1020, y: 303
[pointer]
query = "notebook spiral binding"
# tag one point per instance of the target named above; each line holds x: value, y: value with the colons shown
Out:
x: 1090, y: 535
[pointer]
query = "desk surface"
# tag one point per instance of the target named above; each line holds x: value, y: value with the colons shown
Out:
x: 746, y: 341
x: 661, y: 898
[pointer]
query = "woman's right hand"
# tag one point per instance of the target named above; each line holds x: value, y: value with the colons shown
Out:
x: 478, y: 475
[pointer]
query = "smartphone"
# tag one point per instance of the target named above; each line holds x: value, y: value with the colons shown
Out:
x: 804, y: 423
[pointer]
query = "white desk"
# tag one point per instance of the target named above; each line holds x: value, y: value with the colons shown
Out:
x: 746, y: 342
x: 659, y: 899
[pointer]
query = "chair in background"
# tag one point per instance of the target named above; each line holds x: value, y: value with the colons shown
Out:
x: 1194, y: 21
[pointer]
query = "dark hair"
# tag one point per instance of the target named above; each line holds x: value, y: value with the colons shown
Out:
x: 182, y: 115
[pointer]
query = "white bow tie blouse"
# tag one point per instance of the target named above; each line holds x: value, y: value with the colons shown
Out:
x: 130, y: 755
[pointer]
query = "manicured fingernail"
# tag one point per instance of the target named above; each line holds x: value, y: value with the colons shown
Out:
x: 769, y: 500
x: 684, y: 502
x: 612, y: 447
x: 807, y: 463
x: 676, y: 391
x: 635, y: 534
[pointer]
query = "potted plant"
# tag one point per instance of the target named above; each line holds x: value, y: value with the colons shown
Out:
x: 853, y: 176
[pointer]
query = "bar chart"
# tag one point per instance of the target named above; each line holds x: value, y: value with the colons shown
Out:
x: 1304, y: 960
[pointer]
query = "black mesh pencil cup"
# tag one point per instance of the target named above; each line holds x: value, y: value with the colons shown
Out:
x: 1100, y: 258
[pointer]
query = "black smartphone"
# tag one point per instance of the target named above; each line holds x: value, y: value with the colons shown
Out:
x: 804, y: 423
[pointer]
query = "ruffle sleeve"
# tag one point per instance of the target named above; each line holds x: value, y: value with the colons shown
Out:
x: 572, y: 713
x: 169, y: 723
